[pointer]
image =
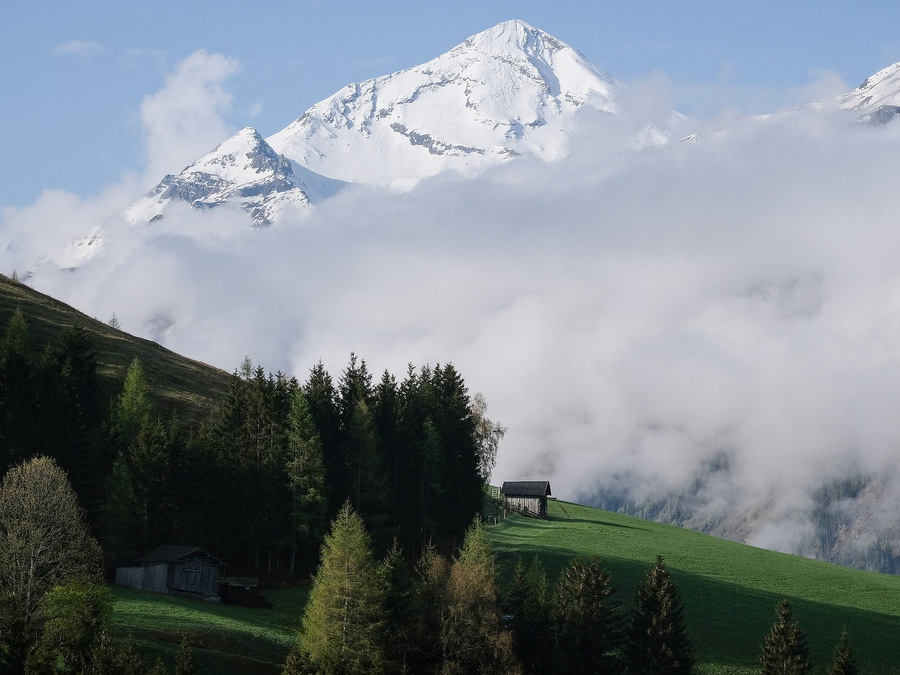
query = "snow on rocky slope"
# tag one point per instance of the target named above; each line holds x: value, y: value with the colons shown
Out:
x: 509, y: 91
x: 243, y: 171
x: 878, y: 98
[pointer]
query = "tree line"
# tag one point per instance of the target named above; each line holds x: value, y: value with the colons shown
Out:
x: 445, y: 615
x: 259, y: 480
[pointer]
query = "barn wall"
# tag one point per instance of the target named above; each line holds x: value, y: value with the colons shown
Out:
x: 143, y: 577
x: 531, y: 504
x: 204, y: 582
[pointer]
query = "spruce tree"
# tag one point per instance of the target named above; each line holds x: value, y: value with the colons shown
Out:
x: 19, y: 425
x: 528, y: 601
x: 587, y: 620
x: 785, y: 651
x: 305, y: 471
x: 844, y: 663
x: 657, y: 639
x: 342, y: 629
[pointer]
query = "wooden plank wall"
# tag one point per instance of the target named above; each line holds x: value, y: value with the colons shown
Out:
x: 143, y: 577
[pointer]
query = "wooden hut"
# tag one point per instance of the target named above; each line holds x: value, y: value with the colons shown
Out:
x: 528, y: 497
x: 177, y: 570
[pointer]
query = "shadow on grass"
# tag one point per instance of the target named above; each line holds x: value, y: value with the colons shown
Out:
x: 727, y: 621
x: 597, y: 523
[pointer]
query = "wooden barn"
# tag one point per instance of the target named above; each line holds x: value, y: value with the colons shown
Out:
x: 177, y: 570
x: 528, y: 497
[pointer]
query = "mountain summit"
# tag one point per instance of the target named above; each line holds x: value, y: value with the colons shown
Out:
x: 509, y: 91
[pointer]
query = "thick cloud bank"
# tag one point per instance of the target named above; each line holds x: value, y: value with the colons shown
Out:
x: 707, y: 332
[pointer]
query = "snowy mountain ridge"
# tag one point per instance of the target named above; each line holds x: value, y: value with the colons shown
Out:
x: 509, y: 91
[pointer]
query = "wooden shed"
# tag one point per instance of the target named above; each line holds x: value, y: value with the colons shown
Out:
x: 528, y: 497
x: 177, y: 570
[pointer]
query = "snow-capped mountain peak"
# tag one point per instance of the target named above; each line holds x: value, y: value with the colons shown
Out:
x: 243, y: 171
x: 510, y: 90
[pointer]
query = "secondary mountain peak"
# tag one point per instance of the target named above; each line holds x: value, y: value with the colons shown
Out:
x: 243, y: 171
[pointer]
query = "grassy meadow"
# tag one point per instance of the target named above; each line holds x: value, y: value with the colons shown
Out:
x: 225, y: 638
x: 729, y: 590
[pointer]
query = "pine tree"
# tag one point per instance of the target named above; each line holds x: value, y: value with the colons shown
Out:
x: 657, y: 639
x: 342, y: 629
x: 844, y: 663
x: 785, y: 651
x: 587, y: 620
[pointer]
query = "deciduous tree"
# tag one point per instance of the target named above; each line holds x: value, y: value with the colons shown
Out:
x: 473, y: 636
x: 44, y: 541
x: 75, y: 638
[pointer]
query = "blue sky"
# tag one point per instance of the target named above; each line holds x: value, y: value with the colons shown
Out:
x: 74, y: 75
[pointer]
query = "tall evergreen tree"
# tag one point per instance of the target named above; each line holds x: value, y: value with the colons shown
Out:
x: 785, y: 651
x: 430, y: 601
x: 305, y: 471
x: 322, y: 399
x: 657, y: 641
x: 399, y: 612
x: 72, y: 414
x: 342, y: 629
x: 18, y: 402
x: 529, y: 602
x: 843, y: 662
x: 587, y: 620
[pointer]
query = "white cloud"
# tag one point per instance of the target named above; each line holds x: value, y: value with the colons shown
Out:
x: 720, y: 317
x: 184, y: 120
x: 81, y: 48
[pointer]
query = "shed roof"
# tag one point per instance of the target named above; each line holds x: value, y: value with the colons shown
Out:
x: 169, y: 553
x: 525, y: 488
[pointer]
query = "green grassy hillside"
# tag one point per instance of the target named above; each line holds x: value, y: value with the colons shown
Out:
x: 730, y: 590
x: 225, y: 638
x: 177, y: 384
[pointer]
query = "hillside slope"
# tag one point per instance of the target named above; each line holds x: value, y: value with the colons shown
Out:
x: 730, y: 590
x: 177, y: 384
